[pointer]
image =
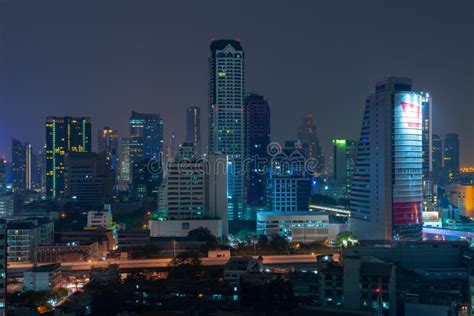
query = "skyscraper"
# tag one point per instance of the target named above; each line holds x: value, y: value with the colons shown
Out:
x: 124, y: 162
x: 3, y: 175
x: 193, y: 127
x: 307, y: 135
x: 437, y: 157
x: 63, y: 135
x: 226, y: 115
x: 451, y: 156
x: 108, y: 143
x: 146, y: 136
x: 427, y: 139
x: 3, y: 266
x: 21, y: 165
x: 345, y: 152
x: 387, y: 195
x: 257, y: 122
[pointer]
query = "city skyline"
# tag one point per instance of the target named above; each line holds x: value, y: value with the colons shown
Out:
x: 144, y: 78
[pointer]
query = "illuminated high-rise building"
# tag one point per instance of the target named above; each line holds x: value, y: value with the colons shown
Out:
x: 193, y: 127
x: 21, y: 166
x: 308, y: 137
x: 387, y: 195
x: 108, y: 143
x: 451, y: 156
x: 257, y: 123
x: 427, y: 139
x: 345, y: 152
x: 146, y: 136
x: 124, y: 162
x: 226, y: 115
x: 3, y: 266
x: 63, y: 135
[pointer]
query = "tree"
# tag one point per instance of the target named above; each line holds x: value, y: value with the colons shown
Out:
x: 262, y: 241
x: 279, y: 243
x: 186, y: 265
x: 346, y: 239
x: 205, y: 235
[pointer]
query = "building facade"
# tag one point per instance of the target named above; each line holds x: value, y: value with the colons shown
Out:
x: 21, y: 166
x: 226, y: 115
x: 108, y: 143
x: 307, y: 135
x: 345, y: 152
x: 451, y: 156
x: 257, y: 122
x: 387, y: 195
x: 63, y: 135
x: 193, y: 127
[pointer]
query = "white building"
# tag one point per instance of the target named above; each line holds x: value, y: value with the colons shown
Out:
x: 300, y: 226
x: 226, y: 114
x: 387, y: 188
x: 99, y: 219
x: 22, y: 239
x: 181, y: 227
x: 43, y: 278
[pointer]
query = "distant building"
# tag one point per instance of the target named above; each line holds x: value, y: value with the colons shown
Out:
x: 257, y: 122
x: 3, y: 175
x: 451, y: 156
x: 21, y: 166
x: 345, y: 152
x: 3, y: 265
x: 226, y: 115
x: 63, y: 135
x: 108, y: 143
x: 182, y: 227
x: 437, y: 163
x: 307, y: 135
x: 387, y: 188
x: 43, y: 278
x: 193, y: 127
x: 88, y: 178
x: 99, y: 219
x: 146, y: 136
x: 124, y: 164
x: 7, y: 205
x: 22, y: 240
x: 461, y: 196
x: 305, y: 227
x: 68, y: 252
x: 237, y: 267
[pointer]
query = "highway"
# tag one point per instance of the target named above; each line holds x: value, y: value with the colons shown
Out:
x: 163, y: 263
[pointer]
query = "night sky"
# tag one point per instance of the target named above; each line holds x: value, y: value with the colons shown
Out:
x: 106, y: 58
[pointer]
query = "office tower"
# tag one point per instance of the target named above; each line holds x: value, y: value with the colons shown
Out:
x: 193, y: 127
x: 257, y: 122
x: 21, y: 165
x: 22, y: 241
x: 124, y: 162
x: 3, y: 266
x: 63, y: 135
x: 38, y: 175
x: 462, y: 196
x: 108, y: 143
x: 7, y: 205
x: 345, y: 151
x: 437, y: 158
x: 307, y: 135
x: 146, y: 136
x: 451, y: 156
x: 186, y: 151
x: 387, y: 192
x: 427, y: 133
x: 3, y: 175
x: 288, y: 182
x: 88, y: 178
x: 146, y: 178
x: 226, y: 115
x: 171, y: 147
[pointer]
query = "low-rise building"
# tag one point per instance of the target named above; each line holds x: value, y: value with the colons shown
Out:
x: 42, y: 278
x: 299, y: 226
x: 22, y: 239
x: 133, y: 238
x: 236, y: 267
x: 68, y: 252
x: 181, y: 228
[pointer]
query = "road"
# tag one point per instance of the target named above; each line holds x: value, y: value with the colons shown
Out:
x: 163, y: 263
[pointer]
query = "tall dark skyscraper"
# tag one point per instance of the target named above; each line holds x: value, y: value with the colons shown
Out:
x: 257, y: 122
x: 21, y: 166
x: 63, y: 135
x: 451, y: 156
x: 387, y: 191
x: 437, y: 156
x: 146, y: 136
x: 3, y: 175
x: 427, y: 128
x: 226, y: 115
x: 193, y: 127
x: 308, y: 137
x: 108, y: 143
